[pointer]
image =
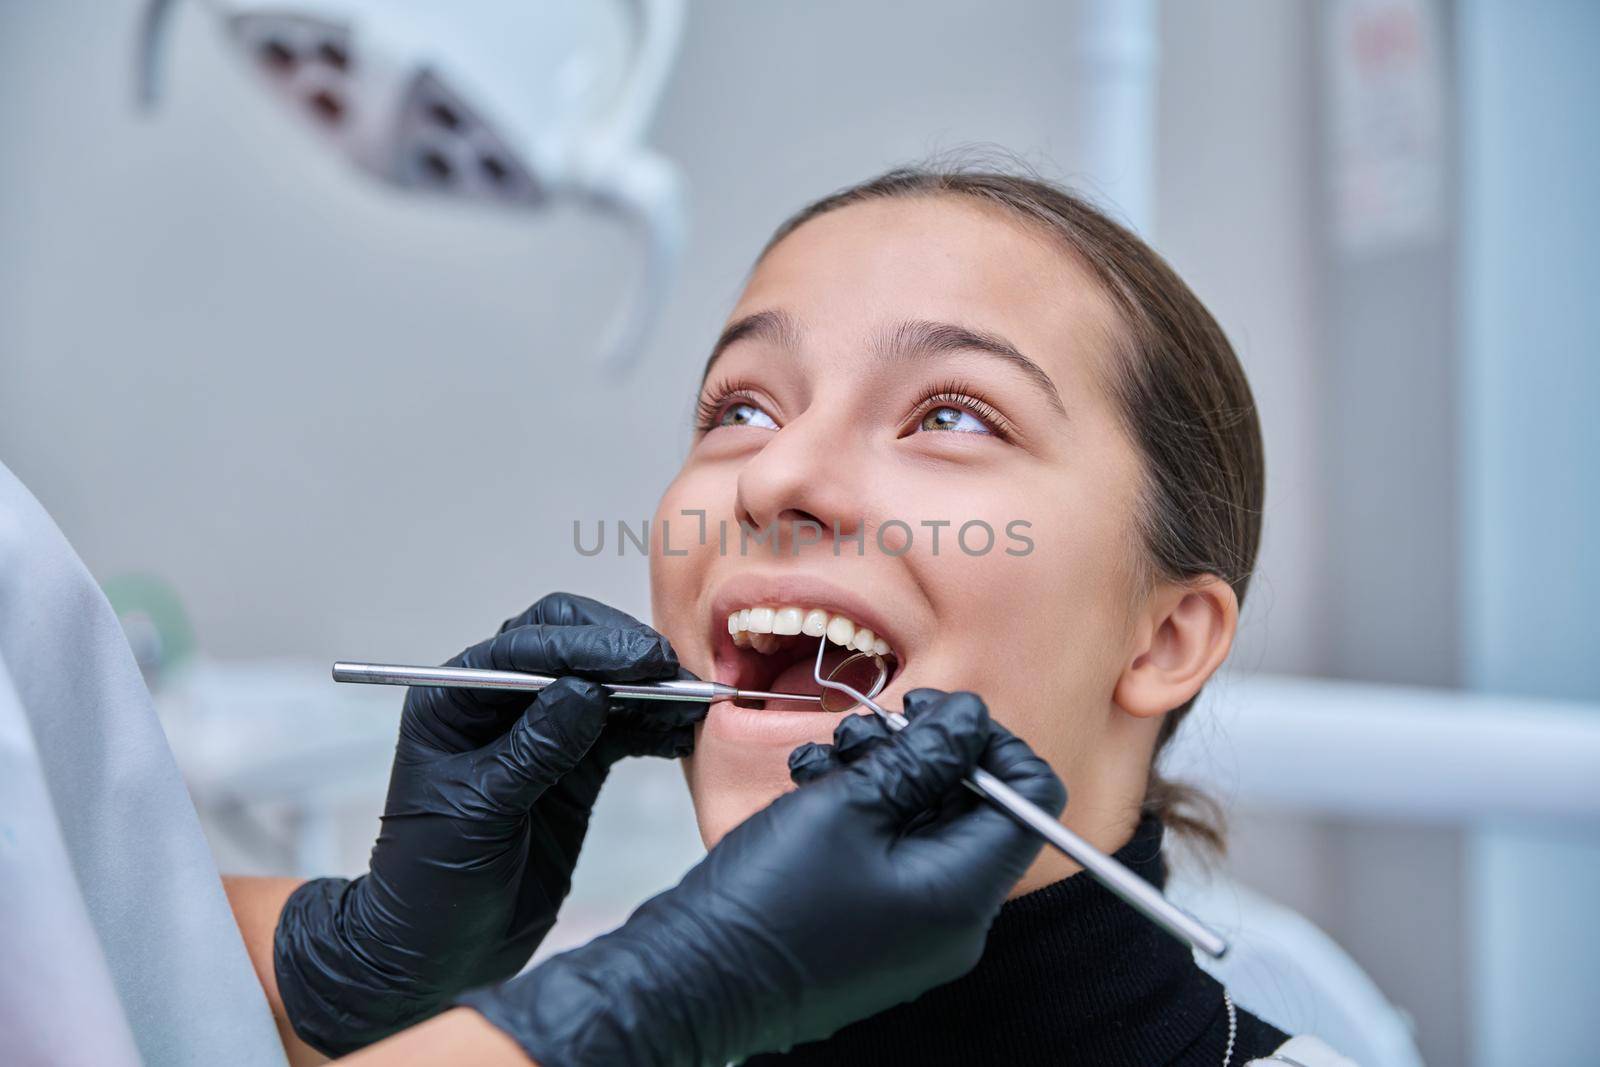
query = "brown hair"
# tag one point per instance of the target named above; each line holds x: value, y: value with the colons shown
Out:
x: 1181, y: 393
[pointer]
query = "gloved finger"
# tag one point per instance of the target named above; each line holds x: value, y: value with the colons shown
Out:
x: 620, y: 742
x: 570, y: 609
x: 1010, y: 759
x: 913, y: 704
x: 855, y: 735
x: 916, y: 701
x: 660, y: 714
x: 626, y: 717
x: 554, y: 734
x: 915, y: 769
x: 812, y: 761
x: 985, y: 833
x: 461, y: 719
x: 660, y: 728
x: 603, y: 653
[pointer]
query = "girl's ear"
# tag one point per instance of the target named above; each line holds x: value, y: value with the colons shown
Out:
x: 1183, y: 637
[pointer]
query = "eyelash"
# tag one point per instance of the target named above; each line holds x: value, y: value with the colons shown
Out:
x: 715, y: 400
x: 959, y: 394
x: 710, y: 407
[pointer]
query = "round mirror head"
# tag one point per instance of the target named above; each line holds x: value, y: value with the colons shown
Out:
x: 864, y: 672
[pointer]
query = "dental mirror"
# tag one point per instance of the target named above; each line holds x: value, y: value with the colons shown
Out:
x: 865, y: 672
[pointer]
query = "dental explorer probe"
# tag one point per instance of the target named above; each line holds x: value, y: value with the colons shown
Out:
x: 1135, y: 891
x: 526, y: 681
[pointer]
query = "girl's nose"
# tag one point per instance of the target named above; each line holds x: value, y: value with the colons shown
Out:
x: 804, y: 487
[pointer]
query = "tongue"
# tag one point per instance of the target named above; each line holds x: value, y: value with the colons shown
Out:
x: 797, y: 678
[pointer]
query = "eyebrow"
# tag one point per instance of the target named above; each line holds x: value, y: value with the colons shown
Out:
x: 916, y: 337
x: 907, y: 340
x: 774, y: 325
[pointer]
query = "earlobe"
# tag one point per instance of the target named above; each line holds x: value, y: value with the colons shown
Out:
x: 1181, y: 641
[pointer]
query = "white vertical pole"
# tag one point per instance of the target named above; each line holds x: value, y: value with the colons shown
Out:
x: 1529, y: 437
x: 1118, y: 54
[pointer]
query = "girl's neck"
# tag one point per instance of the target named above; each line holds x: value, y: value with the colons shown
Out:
x: 1107, y: 827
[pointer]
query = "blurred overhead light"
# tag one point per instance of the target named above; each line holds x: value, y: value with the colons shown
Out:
x: 509, y: 103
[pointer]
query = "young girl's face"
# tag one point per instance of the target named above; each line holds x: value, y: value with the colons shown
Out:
x: 909, y: 416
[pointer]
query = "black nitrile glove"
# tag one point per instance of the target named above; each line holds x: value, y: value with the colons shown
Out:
x: 875, y: 881
x: 488, y: 803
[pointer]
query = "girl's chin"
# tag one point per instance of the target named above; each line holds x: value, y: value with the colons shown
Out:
x: 725, y: 796
x: 729, y: 787
x: 741, y: 761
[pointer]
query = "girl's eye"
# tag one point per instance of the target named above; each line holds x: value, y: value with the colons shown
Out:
x: 745, y: 413
x: 958, y: 419
x: 957, y: 407
x: 730, y: 404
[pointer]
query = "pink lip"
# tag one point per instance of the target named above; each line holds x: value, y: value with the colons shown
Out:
x: 779, y: 729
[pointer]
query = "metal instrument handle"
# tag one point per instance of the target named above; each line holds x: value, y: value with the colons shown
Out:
x: 521, y: 681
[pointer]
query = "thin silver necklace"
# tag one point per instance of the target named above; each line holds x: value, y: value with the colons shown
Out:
x: 1233, y: 1028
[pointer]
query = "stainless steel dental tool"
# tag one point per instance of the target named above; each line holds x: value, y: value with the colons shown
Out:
x: 1133, y: 890
x: 525, y: 681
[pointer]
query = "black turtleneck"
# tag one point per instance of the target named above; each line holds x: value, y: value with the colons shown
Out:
x: 1069, y: 975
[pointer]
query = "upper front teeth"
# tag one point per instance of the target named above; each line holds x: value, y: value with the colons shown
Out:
x: 749, y: 624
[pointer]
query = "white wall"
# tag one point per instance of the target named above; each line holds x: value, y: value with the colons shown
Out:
x: 340, y: 421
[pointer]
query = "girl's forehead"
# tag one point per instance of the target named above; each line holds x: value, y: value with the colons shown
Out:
x: 934, y: 238
x: 855, y: 271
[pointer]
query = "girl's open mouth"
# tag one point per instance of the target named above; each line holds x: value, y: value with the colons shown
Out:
x: 775, y: 649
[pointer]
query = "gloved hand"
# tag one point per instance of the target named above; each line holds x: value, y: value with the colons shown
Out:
x: 489, y: 800
x: 873, y: 882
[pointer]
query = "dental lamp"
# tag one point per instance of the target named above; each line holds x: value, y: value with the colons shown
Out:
x: 509, y: 103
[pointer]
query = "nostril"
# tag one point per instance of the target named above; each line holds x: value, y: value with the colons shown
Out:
x: 798, y: 528
x: 797, y: 519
